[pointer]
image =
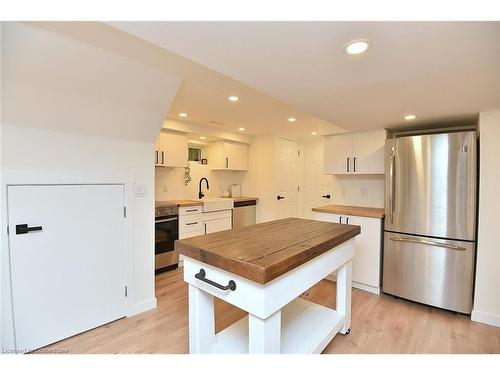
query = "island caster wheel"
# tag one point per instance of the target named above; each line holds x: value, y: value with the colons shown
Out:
x: 348, y: 331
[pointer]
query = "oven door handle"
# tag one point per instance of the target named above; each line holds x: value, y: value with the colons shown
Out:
x: 165, y: 220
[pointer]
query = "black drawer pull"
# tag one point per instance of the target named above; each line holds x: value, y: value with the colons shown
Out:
x: 193, y: 210
x: 192, y: 223
x: 23, y: 229
x: 201, y: 276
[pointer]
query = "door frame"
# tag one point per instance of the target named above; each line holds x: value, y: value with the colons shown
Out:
x: 276, y: 154
x: 11, y: 178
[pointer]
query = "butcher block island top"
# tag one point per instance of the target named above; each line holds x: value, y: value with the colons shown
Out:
x: 263, y: 252
x: 374, y: 212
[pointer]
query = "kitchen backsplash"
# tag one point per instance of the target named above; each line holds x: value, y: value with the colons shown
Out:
x: 170, y: 182
x: 358, y: 190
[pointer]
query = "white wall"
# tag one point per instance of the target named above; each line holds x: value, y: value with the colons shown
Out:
x: 487, y: 290
x: 170, y: 182
x: 72, y: 109
x: 45, y: 151
x: 1, y: 200
x: 55, y: 82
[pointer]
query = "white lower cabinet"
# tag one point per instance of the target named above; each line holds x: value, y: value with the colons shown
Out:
x: 366, y: 263
x: 217, y: 221
x: 193, y: 222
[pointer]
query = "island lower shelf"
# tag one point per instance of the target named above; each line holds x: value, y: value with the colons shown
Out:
x: 306, y: 327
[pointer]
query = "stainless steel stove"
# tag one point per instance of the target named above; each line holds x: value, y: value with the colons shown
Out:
x: 166, y: 233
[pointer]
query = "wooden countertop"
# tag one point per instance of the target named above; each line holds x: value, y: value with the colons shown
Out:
x: 190, y: 203
x: 178, y: 203
x: 377, y: 213
x: 262, y: 252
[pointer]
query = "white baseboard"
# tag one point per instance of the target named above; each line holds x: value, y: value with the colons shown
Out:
x: 142, y: 306
x: 366, y: 288
x: 486, y: 318
x: 355, y: 284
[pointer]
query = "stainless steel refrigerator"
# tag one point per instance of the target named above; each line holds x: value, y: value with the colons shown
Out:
x: 430, y: 222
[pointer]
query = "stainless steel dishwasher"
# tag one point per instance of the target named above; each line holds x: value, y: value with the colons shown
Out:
x: 244, y: 213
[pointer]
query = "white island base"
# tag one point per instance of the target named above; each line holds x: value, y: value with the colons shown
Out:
x: 278, y: 321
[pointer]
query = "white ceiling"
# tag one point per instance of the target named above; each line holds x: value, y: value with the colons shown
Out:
x: 436, y: 70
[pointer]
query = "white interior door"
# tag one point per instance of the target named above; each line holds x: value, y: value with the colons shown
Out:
x: 317, y: 185
x: 68, y: 276
x: 288, y: 178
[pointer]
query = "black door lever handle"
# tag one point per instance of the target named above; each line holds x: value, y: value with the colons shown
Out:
x: 279, y: 197
x: 23, y: 229
x: 326, y: 196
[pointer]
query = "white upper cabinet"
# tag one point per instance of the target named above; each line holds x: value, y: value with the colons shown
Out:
x: 368, y: 152
x: 338, y: 154
x: 228, y: 155
x: 355, y: 153
x: 171, y: 150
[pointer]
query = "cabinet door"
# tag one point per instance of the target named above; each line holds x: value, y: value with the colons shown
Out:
x: 366, y: 263
x: 237, y: 156
x: 332, y: 218
x: 173, y: 150
x: 338, y: 157
x: 158, y: 152
x: 368, y: 152
x: 217, y: 225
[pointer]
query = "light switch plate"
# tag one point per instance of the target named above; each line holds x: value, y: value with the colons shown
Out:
x: 140, y: 190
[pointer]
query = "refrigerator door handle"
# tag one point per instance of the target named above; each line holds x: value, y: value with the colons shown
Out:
x: 428, y: 242
x: 392, y: 176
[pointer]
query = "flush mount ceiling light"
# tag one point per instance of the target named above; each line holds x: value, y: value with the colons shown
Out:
x: 409, y: 117
x: 241, y: 129
x: 202, y: 137
x: 233, y: 98
x: 314, y: 133
x: 292, y: 119
x: 182, y: 114
x: 357, y: 47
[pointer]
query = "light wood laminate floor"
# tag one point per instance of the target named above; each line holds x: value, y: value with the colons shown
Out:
x: 380, y: 324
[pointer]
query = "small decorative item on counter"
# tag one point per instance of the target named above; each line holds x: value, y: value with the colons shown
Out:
x: 225, y: 194
x: 187, y: 174
x: 204, y: 161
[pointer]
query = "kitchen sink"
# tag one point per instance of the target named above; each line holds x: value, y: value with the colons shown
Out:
x: 216, y: 204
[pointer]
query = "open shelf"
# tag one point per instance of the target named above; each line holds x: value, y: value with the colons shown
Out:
x: 306, y: 327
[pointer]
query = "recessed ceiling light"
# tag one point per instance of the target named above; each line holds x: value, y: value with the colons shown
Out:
x: 409, y: 117
x: 202, y: 137
x: 357, y: 47
x: 182, y: 114
x: 233, y: 98
x: 314, y: 133
x: 292, y: 119
x: 241, y: 129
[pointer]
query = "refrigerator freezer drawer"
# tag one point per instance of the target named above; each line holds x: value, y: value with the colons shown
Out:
x: 431, y: 271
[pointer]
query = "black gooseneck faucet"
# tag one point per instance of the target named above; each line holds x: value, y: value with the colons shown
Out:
x: 200, y: 194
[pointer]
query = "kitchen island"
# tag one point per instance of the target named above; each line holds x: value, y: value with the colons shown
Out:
x: 263, y: 269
